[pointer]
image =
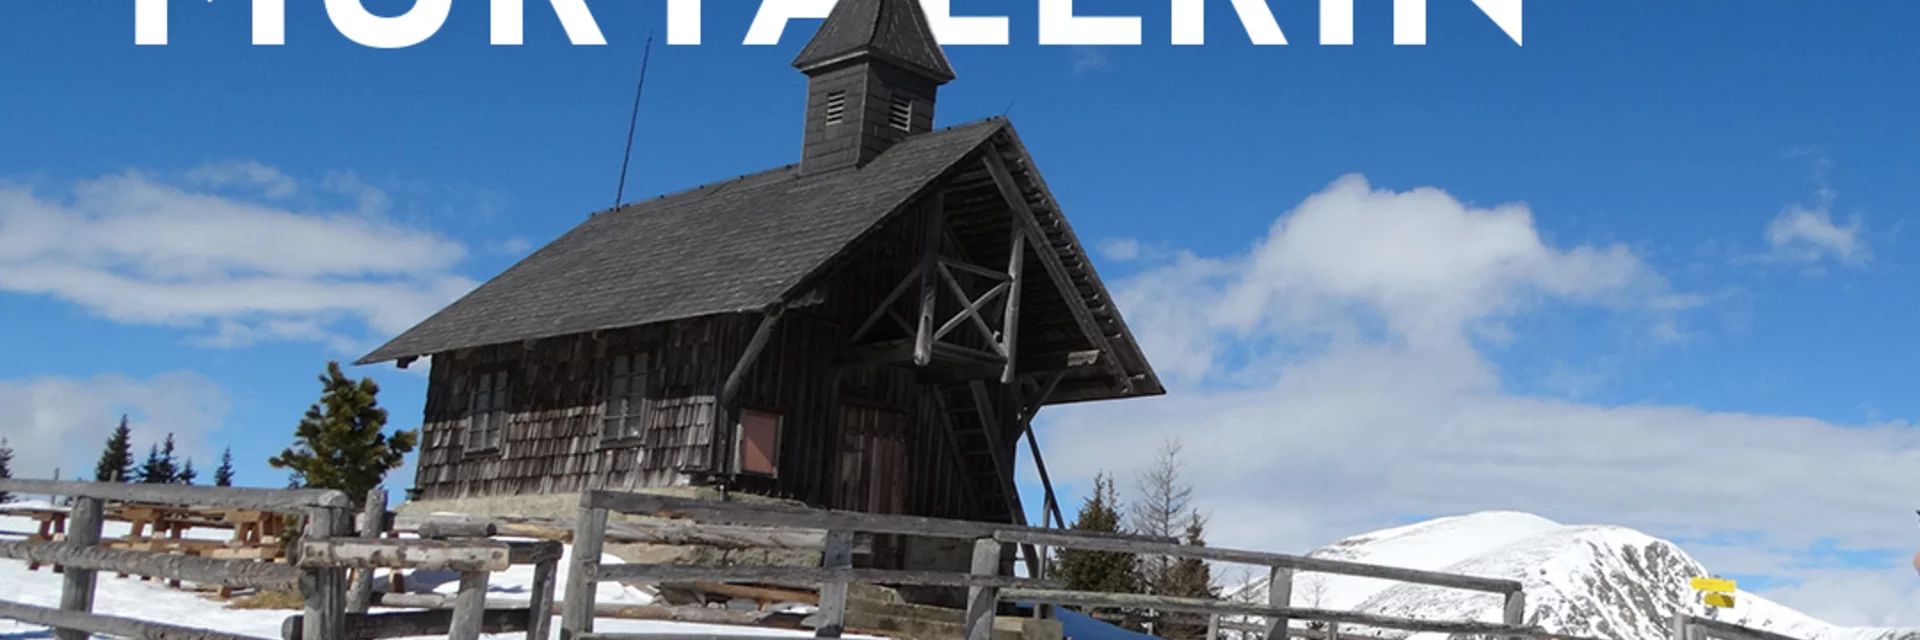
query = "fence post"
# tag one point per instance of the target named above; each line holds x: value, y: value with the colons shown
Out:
x: 540, y: 604
x: 1516, y: 611
x: 324, y: 590
x: 469, y: 605
x: 1679, y: 625
x: 373, y: 520
x: 1279, y: 594
x: 589, y: 536
x: 83, y: 530
x: 983, y: 601
x: 838, y: 554
x: 1213, y: 626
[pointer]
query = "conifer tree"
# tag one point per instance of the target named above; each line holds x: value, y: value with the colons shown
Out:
x: 1188, y: 578
x: 116, y: 462
x: 6, y: 467
x: 340, y: 444
x: 160, y: 467
x: 187, y: 475
x: 223, y: 474
x: 1100, y: 571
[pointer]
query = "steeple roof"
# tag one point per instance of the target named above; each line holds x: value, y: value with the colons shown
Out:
x: 896, y: 31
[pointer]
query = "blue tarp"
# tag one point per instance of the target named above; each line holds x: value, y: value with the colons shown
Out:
x: 1081, y: 627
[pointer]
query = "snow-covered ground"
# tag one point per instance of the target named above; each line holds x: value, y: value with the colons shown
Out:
x: 154, y: 601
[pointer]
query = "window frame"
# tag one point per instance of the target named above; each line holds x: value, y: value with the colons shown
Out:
x: 773, y: 453
x: 639, y: 407
x: 495, y: 385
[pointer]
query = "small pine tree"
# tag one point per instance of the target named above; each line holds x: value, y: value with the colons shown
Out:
x: 116, y: 462
x: 187, y: 475
x: 223, y: 474
x: 160, y: 467
x: 1188, y: 578
x: 340, y: 444
x: 1099, y: 571
x: 6, y: 467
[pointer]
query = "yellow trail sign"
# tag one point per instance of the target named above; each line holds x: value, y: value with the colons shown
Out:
x: 1715, y: 585
x: 1722, y: 600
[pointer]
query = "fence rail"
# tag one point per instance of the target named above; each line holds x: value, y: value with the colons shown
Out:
x: 317, y: 571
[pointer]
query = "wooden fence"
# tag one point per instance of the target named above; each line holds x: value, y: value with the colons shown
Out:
x: 317, y: 571
x: 988, y: 587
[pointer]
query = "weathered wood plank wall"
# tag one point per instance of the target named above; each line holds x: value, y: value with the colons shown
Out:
x: 860, y: 437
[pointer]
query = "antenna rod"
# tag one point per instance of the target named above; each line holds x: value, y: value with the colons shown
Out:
x: 620, y: 194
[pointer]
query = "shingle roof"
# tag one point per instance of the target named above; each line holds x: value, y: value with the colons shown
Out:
x: 727, y: 247
x: 895, y: 30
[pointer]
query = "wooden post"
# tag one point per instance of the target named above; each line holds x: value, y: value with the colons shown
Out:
x: 1010, y: 327
x: 373, y: 519
x: 936, y: 218
x: 1213, y: 626
x: 589, y: 536
x: 1333, y: 631
x: 324, y: 589
x: 1516, y: 611
x: 1678, y: 625
x: 983, y: 602
x: 833, y: 595
x: 468, y: 606
x: 83, y: 529
x: 1279, y: 594
x: 540, y: 604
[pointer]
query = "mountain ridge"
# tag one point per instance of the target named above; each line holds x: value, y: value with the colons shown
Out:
x: 1600, y: 581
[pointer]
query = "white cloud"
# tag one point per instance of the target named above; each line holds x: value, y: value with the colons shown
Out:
x: 135, y: 250
x: 1809, y: 235
x: 1357, y: 334
x: 63, y: 423
x: 268, y: 180
x: 1120, y: 249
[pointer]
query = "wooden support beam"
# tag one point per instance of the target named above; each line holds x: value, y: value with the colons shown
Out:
x: 373, y: 521
x: 885, y: 309
x: 400, y: 553
x: 1040, y: 464
x: 983, y: 602
x: 323, y: 588
x: 996, y: 449
x: 413, y: 624
x: 944, y: 415
x: 469, y: 605
x: 1297, y: 563
x: 970, y: 310
x: 450, y: 529
x: 1010, y: 326
x: 761, y: 335
x: 804, y: 576
x: 775, y: 515
x: 833, y: 590
x: 540, y: 600
x: 936, y: 221
x: 77, y: 559
x: 589, y: 535
x: 275, y: 500
x: 1279, y: 596
x: 76, y: 594
x: 1057, y: 271
x: 698, y: 614
x: 85, y: 625
x: 1515, y: 611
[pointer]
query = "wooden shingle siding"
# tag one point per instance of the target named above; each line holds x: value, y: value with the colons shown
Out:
x: 551, y: 442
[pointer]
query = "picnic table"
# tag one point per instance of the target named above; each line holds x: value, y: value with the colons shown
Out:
x: 163, y: 529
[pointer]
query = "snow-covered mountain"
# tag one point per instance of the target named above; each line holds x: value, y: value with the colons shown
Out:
x: 1594, y: 581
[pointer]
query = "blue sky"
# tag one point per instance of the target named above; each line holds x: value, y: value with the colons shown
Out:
x: 1714, y: 246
